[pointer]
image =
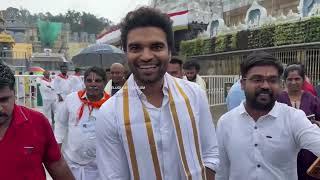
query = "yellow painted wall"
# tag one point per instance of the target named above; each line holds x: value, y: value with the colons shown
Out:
x: 22, y: 50
x: 75, y: 48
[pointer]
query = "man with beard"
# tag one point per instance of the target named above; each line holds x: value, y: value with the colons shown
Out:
x: 261, y: 138
x: 27, y: 143
x: 191, y: 70
x: 117, y: 74
x: 75, y: 126
x: 156, y: 126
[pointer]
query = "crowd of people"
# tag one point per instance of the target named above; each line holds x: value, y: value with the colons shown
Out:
x: 156, y: 123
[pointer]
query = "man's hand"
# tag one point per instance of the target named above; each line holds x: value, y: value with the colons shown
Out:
x: 315, y: 122
x: 59, y: 170
x: 210, y: 174
x: 60, y: 99
x: 314, y: 169
x: 60, y: 145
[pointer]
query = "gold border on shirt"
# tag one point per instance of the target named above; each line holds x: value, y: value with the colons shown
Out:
x: 127, y: 124
x: 194, y: 128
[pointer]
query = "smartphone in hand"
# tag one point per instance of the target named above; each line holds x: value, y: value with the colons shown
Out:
x: 314, y: 169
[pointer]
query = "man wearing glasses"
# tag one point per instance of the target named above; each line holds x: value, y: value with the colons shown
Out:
x: 260, y: 139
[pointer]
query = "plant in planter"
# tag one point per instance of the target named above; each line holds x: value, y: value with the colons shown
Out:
x: 234, y: 41
x: 207, y: 46
x: 290, y: 33
x: 198, y: 47
x: 185, y: 48
x: 265, y: 35
x: 242, y: 39
x: 312, y: 29
x: 281, y: 35
x: 192, y: 47
x: 220, y: 44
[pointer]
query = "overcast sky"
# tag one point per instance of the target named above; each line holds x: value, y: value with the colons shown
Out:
x: 114, y: 10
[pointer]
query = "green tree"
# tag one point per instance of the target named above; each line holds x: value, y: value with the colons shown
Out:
x: 79, y: 22
x: 74, y: 19
x: 90, y: 23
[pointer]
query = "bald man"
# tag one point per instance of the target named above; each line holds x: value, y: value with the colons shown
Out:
x: 117, y: 74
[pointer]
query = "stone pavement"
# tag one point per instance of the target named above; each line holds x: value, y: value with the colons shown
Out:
x: 217, y: 112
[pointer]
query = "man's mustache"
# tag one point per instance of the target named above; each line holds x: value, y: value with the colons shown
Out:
x: 93, y: 87
x: 264, y: 91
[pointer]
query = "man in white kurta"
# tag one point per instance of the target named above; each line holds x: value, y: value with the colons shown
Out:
x: 61, y: 84
x: 191, y: 70
x: 48, y: 95
x: 75, y: 126
x: 199, y: 80
x: 112, y: 146
x: 156, y: 126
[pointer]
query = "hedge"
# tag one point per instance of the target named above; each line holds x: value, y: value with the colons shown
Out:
x: 260, y: 38
x: 313, y: 30
x: 266, y: 36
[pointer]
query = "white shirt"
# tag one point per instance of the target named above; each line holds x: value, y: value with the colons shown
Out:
x: 78, y: 140
x: 111, y: 151
x: 266, y: 149
x: 108, y: 88
x: 76, y: 83
x: 199, y: 81
x: 46, y: 90
x: 62, y: 86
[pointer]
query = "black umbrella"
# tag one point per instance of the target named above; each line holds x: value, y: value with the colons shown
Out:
x: 101, y: 55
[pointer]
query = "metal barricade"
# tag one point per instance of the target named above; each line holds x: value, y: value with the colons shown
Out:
x: 27, y: 90
x: 227, y: 63
x: 217, y: 87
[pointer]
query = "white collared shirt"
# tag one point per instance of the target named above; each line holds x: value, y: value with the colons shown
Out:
x: 62, y: 86
x: 46, y: 90
x: 111, y: 151
x: 78, y: 138
x: 266, y: 149
x: 76, y: 83
x: 199, y: 80
x: 108, y: 87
